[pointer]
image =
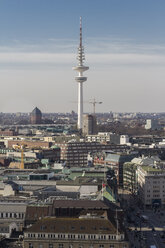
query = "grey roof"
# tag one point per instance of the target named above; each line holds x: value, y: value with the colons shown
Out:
x: 12, y: 207
x: 36, y: 111
x: 83, y: 204
x: 119, y: 157
x: 73, y: 225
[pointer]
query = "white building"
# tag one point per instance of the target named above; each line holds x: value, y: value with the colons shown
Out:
x: 124, y: 139
x: 102, y: 137
x: 13, y: 212
x: 151, y: 185
x: 6, y: 229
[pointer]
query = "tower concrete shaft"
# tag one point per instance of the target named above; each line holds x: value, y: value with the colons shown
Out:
x: 80, y: 68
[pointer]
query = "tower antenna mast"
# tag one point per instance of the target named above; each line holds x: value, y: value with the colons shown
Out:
x: 80, y: 68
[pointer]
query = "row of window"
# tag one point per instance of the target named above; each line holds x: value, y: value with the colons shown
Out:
x: 155, y: 195
x: 74, y: 236
x: 4, y: 229
x: 12, y: 215
x: 71, y: 246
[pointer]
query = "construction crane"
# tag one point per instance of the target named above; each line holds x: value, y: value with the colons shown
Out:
x: 94, y: 102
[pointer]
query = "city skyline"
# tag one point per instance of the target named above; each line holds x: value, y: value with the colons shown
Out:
x: 125, y: 52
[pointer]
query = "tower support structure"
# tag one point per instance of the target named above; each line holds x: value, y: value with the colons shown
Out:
x: 80, y: 79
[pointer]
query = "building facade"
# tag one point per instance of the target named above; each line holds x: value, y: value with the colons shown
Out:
x: 89, y: 124
x: 151, y: 185
x: 76, y: 153
x: 11, y: 212
x: 74, y: 233
x: 115, y: 161
x: 152, y: 124
x: 130, y: 177
x: 104, y: 137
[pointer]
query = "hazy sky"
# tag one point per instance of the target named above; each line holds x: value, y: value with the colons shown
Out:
x: 124, y: 45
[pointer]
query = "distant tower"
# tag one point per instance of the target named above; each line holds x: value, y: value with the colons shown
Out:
x: 89, y: 124
x: 80, y: 68
x: 36, y: 116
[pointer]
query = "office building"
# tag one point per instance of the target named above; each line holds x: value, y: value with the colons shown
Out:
x: 76, y: 153
x: 89, y: 124
x: 151, y: 185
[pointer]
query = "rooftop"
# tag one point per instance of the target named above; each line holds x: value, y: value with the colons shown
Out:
x: 86, y: 204
x: 151, y: 169
x: 73, y: 225
x: 36, y: 111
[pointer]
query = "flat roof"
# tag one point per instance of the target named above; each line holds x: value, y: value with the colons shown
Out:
x: 94, y: 204
x: 151, y: 169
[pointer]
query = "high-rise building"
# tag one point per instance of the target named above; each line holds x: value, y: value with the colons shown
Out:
x: 36, y: 116
x: 89, y: 124
x: 152, y: 124
x: 80, y: 68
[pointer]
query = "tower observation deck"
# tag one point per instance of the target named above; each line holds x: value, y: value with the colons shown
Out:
x: 80, y: 68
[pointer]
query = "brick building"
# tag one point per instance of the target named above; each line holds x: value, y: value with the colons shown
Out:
x: 75, y: 153
x: 7, y: 132
x: 36, y: 116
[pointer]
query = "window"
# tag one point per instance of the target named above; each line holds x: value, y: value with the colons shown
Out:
x: 101, y: 246
x: 61, y: 246
x: 30, y: 245
x: 42, y: 227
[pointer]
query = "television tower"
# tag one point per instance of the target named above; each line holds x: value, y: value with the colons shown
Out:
x: 80, y: 68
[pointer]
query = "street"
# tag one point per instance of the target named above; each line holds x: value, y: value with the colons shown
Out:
x: 145, y: 227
